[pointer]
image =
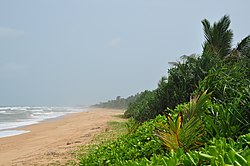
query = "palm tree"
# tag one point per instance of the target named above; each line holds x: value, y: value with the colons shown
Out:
x: 218, y: 37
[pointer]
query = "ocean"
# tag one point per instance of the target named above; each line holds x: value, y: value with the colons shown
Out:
x: 11, y: 118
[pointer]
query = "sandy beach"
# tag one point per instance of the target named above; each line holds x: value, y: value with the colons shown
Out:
x: 54, y: 140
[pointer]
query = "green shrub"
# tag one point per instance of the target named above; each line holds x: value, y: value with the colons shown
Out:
x: 132, y: 125
x: 144, y: 108
x: 171, y: 159
x: 223, y: 152
x: 186, y: 131
x: 229, y: 115
x: 142, y: 143
x: 217, y: 152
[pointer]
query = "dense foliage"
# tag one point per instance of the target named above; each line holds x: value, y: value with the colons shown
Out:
x: 206, y: 102
x: 182, y: 80
x: 145, y: 102
x: 144, y: 148
x: 186, y: 131
x: 142, y: 143
x: 184, y: 77
x: 217, y: 152
x: 230, y: 87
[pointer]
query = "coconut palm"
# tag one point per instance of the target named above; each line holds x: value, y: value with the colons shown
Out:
x: 218, y: 37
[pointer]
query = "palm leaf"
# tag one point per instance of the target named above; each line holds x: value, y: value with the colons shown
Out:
x: 218, y: 38
x: 170, y: 135
x: 244, y: 47
x: 187, y: 129
x: 244, y: 44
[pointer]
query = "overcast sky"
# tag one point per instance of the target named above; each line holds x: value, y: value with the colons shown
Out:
x: 70, y: 52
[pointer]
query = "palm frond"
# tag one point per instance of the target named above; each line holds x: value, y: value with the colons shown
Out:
x: 186, y: 130
x: 245, y: 43
x: 244, y: 46
x: 218, y: 38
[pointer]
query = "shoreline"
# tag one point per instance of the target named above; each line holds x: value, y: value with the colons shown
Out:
x: 15, y: 128
x: 54, y: 140
x: 14, y: 131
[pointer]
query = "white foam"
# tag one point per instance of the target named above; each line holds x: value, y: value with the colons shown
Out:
x: 37, y: 114
x: 10, y: 125
x: 36, y: 110
x: 8, y: 133
x: 18, y: 108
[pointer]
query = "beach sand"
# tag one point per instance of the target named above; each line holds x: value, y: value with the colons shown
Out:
x: 56, y: 140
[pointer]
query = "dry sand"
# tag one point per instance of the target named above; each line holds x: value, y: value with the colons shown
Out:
x: 52, y: 141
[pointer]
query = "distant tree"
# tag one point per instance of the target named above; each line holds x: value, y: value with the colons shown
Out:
x: 118, y: 103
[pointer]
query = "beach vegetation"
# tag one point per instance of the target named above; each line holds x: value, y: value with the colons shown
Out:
x: 229, y: 115
x: 142, y: 143
x: 198, y: 115
x: 186, y: 131
x: 184, y: 76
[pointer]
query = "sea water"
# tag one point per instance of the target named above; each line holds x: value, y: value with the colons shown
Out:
x: 11, y: 118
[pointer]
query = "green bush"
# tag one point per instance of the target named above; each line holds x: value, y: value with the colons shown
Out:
x: 217, y: 152
x: 223, y: 152
x: 187, y: 130
x: 142, y: 143
x: 144, y: 108
x: 229, y: 115
x: 143, y: 148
